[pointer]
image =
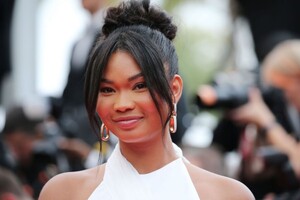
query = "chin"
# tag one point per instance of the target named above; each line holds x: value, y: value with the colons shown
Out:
x: 136, y: 139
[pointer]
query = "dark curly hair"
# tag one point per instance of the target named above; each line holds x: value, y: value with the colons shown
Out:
x: 145, y: 32
x: 139, y: 13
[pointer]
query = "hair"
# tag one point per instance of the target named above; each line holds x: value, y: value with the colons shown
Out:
x: 276, y: 60
x: 146, y: 33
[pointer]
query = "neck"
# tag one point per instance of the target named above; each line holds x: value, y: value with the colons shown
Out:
x: 149, y: 156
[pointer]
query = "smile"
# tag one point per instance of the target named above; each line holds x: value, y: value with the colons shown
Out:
x: 127, y: 123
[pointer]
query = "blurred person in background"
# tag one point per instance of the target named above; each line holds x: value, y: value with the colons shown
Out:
x: 10, y: 187
x: 34, y: 147
x: 270, y: 23
x: 19, y: 137
x: 69, y: 110
x: 275, y: 168
x: 73, y: 117
x: 280, y: 69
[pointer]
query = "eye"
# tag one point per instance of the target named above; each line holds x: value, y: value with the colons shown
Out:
x: 140, y: 86
x: 106, y: 90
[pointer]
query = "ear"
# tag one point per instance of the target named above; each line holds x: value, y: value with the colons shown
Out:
x: 177, y: 87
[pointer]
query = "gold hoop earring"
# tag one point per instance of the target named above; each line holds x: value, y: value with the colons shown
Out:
x: 104, y: 133
x: 173, y: 119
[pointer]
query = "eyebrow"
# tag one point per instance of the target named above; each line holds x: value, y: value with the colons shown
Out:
x: 129, y: 79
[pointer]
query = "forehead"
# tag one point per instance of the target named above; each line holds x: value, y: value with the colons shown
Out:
x: 120, y: 64
x: 283, y: 81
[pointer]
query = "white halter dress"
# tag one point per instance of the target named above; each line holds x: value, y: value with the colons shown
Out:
x: 122, y: 181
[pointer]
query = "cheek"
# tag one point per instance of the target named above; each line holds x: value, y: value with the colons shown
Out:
x: 143, y: 103
x: 147, y: 104
x: 103, y: 108
x: 156, y: 115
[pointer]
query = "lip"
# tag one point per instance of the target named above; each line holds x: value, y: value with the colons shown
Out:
x: 128, y: 122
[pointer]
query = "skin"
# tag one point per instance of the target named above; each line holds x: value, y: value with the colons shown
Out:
x: 127, y: 109
x: 92, y: 6
x: 208, y: 94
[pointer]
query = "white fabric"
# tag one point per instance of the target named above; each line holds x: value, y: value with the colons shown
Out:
x: 122, y: 181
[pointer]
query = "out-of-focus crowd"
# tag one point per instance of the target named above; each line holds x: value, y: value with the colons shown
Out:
x: 260, y: 122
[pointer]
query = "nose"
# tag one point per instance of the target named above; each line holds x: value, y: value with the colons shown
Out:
x: 124, y: 102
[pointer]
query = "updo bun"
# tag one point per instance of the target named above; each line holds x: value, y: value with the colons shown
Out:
x: 139, y: 13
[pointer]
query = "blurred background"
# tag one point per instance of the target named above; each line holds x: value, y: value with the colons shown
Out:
x: 219, y: 43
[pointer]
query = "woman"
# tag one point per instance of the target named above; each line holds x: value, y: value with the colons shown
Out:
x: 132, y: 85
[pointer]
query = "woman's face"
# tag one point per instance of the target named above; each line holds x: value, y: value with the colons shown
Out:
x: 124, y: 103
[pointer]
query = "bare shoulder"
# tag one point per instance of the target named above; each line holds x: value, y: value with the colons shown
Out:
x: 213, y: 186
x: 72, y: 185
